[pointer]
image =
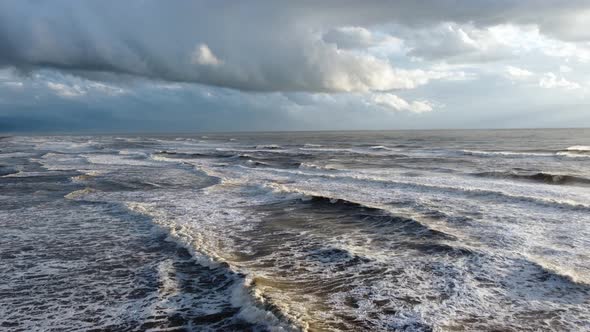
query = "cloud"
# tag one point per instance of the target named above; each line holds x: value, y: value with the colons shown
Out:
x: 567, y: 50
x: 357, y: 38
x: 12, y: 84
x: 517, y: 73
x: 202, y: 55
x: 71, y: 87
x: 8, y: 80
x: 76, y: 90
x: 66, y: 91
x: 149, y: 106
x: 260, y: 45
x: 565, y: 69
x: 467, y: 43
x: 392, y: 102
x: 456, y: 43
x: 548, y: 80
x: 551, y: 81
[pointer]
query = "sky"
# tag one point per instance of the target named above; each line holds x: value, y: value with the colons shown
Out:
x: 264, y: 65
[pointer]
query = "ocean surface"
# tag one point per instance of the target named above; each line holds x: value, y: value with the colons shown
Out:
x: 318, y: 231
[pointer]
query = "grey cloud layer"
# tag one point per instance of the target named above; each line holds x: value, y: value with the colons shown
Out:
x: 248, y: 45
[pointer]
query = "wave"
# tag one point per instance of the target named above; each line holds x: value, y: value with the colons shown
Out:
x: 582, y: 148
x: 264, y: 160
x: 225, y: 153
x: 370, y: 213
x: 131, y: 153
x: 314, y: 166
x: 380, y: 147
x: 447, y: 189
x: 505, y: 153
x: 411, y: 226
x: 268, y: 146
x: 181, y: 155
x: 577, y: 275
x: 579, y: 151
x: 572, y: 151
x: 556, y: 269
x: 273, y: 151
x: 558, y: 179
x: 257, y: 163
x: 16, y: 154
x: 116, y: 160
x: 408, y: 146
x: 572, y: 154
x: 252, y: 307
x: 376, y: 151
x: 367, y: 211
x: 328, y: 149
x: 78, y: 194
x: 7, y: 170
x: 478, y: 192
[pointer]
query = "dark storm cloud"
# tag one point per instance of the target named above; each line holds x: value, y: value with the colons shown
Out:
x: 244, y: 45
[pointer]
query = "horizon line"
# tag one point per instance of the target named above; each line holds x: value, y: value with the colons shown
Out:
x: 221, y: 132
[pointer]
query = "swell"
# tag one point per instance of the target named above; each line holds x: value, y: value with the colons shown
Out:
x: 270, y: 160
x: 475, y: 192
x: 250, y: 159
x: 378, y: 215
x: 375, y: 215
x: 4, y: 170
x: 369, y: 213
x: 552, y: 269
x: 456, y: 190
x: 437, y: 241
x: 574, y: 154
x: 184, y: 155
x: 542, y: 177
x: 571, y: 153
x: 509, y: 154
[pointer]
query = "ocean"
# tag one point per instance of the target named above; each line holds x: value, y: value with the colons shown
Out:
x: 322, y: 231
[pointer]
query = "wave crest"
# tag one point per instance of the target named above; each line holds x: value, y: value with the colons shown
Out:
x: 548, y: 178
x: 583, y: 148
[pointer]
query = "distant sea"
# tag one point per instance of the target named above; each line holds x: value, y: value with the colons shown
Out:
x: 320, y: 231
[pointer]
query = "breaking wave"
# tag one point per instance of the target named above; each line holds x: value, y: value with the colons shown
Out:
x: 558, y: 179
x: 582, y: 148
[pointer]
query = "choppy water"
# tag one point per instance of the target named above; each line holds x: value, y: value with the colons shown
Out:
x: 400, y: 231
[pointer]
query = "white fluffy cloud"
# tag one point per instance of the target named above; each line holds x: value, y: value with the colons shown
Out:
x: 458, y: 43
x: 392, y: 102
x: 202, y: 55
x: 551, y: 81
x: 548, y: 80
x: 517, y: 73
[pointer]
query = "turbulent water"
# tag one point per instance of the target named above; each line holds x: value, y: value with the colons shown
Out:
x: 398, y: 231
